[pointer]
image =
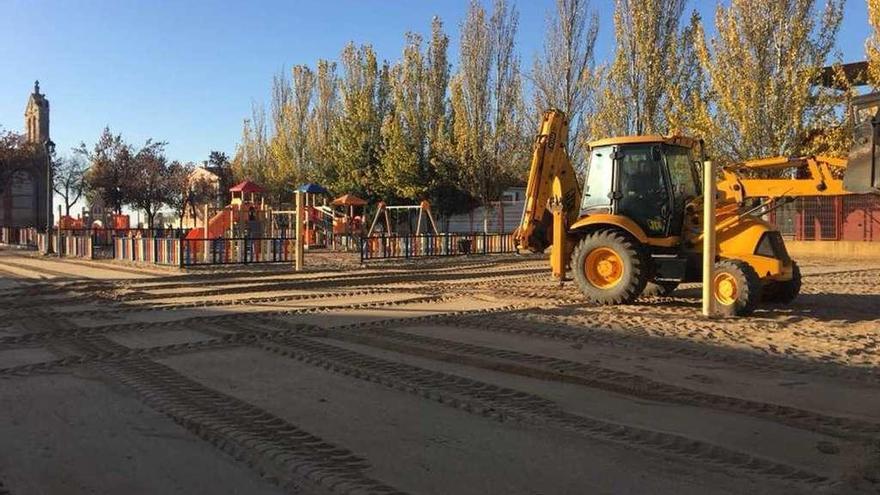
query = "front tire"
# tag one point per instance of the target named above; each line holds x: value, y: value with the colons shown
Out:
x: 736, y: 288
x: 610, y: 267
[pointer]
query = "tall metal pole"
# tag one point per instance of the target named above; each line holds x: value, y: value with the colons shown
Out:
x: 49, y: 145
x: 58, y: 249
x: 708, y: 236
x: 299, y: 231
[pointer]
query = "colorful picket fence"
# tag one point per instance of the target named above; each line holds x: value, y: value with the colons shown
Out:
x: 77, y: 246
x: 19, y: 236
x: 238, y: 250
x: 102, y: 237
x: 446, y: 244
x: 190, y: 252
x: 156, y: 250
x: 45, y: 240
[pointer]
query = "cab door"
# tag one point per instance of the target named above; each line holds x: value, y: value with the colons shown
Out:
x: 642, y: 188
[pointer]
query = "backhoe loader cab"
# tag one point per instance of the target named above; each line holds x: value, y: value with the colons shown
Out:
x: 648, y: 179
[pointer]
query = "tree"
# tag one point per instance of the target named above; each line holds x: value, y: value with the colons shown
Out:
x: 218, y: 159
x: 404, y: 169
x: 761, y: 67
x: 149, y: 179
x: 633, y: 98
x: 488, y: 139
x: 437, y: 81
x: 357, y: 134
x: 15, y: 151
x: 179, y: 192
x: 291, y: 102
x: 110, y: 169
x: 565, y: 76
x: 185, y: 191
x: 688, y: 109
x: 872, y: 46
x: 414, y: 126
x: 219, y: 164
x: 446, y: 193
x: 68, y: 179
x: 471, y: 100
x: 303, y: 82
x: 509, y: 144
x: 252, y: 157
x: 323, y: 119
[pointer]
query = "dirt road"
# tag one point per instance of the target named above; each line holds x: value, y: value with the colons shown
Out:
x: 465, y: 376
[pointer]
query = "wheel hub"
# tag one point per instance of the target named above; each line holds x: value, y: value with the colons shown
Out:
x: 726, y: 289
x: 603, y: 267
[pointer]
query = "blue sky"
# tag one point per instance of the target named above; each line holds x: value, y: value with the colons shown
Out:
x: 186, y: 71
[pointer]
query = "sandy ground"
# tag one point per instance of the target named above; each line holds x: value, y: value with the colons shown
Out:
x: 466, y: 375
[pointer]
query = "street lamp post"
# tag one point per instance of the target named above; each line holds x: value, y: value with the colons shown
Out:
x: 50, y: 150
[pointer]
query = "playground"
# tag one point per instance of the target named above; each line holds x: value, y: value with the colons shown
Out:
x: 458, y: 373
x: 249, y: 230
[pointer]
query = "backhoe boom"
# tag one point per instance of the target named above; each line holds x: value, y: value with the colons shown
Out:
x: 551, y: 179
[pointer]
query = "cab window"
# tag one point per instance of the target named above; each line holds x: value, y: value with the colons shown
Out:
x: 644, y: 196
x: 597, y: 186
x: 681, y: 172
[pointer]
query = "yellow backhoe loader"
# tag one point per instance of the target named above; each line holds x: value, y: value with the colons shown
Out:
x: 637, y: 226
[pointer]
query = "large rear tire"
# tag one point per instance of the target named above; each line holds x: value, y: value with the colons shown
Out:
x: 784, y: 292
x: 610, y: 267
x: 736, y: 288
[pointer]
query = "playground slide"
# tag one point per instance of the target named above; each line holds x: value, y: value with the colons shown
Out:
x: 217, y: 226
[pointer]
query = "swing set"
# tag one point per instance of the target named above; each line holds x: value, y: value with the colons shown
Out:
x: 424, y: 209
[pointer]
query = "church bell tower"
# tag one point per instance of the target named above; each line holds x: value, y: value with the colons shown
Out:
x: 36, y: 116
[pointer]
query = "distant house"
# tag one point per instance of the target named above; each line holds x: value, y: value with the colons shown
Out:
x: 500, y: 216
x: 195, y: 214
x: 513, y: 194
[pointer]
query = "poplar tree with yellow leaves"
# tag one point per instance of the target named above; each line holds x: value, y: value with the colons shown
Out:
x: 634, y: 95
x: 252, y: 158
x: 872, y: 46
x: 688, y: 105
x: 564, y: 75
x: 404, y: 172
x: 414, y: 122
x: 761, y: 68
x: 357, y: 135
x: 490, y: 144
x: 322, y: 120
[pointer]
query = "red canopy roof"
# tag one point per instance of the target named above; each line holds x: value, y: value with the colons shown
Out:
x: 348, y: 200
x: 247, y: 187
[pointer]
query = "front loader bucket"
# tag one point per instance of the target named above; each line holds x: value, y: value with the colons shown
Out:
x: 863, y: 165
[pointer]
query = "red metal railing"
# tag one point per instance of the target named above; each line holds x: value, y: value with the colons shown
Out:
x: 853, y: 217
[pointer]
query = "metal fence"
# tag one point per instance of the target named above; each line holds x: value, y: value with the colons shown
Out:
x: 446, y: 244
x: 190, y: 252
x: 853, y: 217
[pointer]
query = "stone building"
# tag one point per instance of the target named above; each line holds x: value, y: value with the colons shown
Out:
x: 23, y: 191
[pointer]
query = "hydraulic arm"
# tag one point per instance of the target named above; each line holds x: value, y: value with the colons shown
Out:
x: 552, y: 182
x: 813, y: 176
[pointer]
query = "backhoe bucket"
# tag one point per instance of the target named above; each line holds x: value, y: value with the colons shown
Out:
x: 863, y: 166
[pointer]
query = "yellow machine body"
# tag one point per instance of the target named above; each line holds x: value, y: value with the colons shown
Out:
x: 641, y: 212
